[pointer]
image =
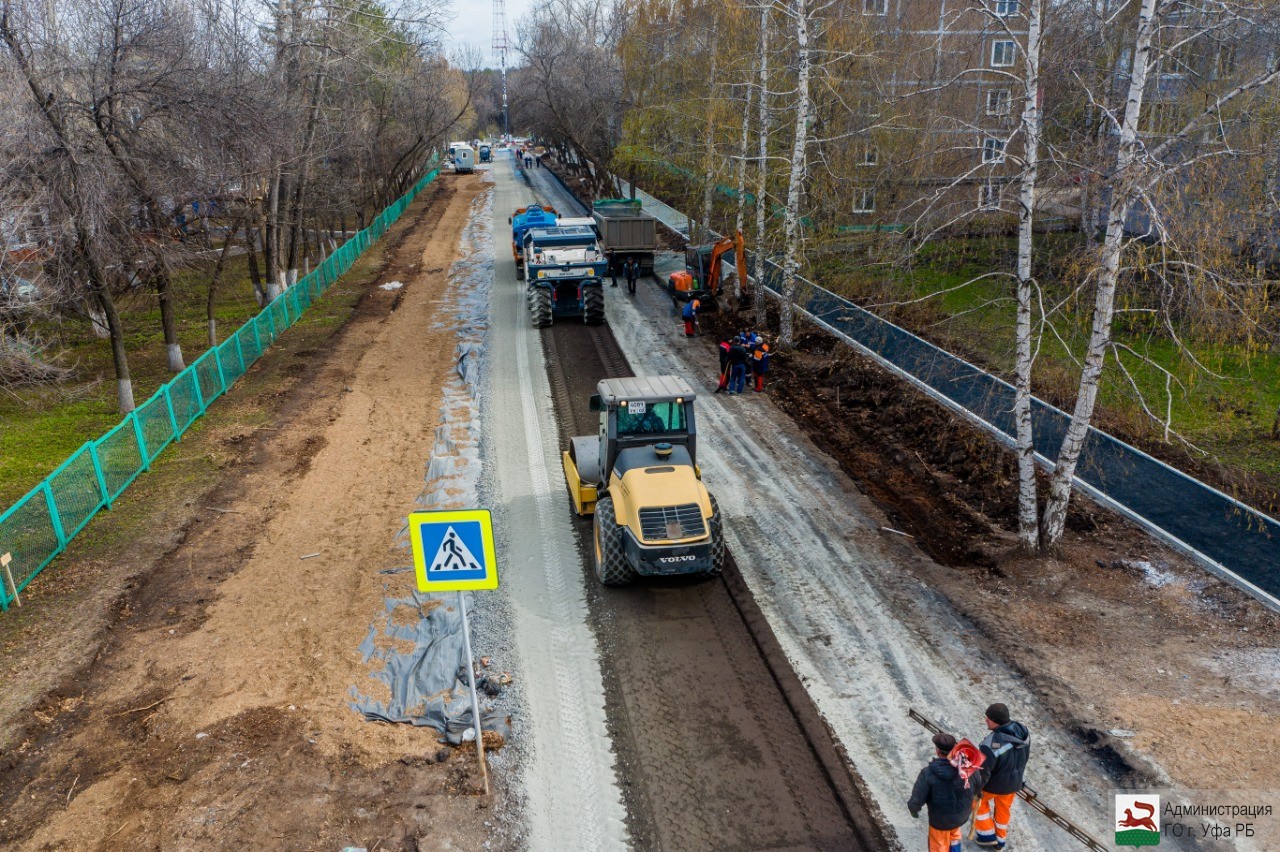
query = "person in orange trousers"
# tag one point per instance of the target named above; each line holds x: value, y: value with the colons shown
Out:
x: 945, y: 793
x: 1006, y: 750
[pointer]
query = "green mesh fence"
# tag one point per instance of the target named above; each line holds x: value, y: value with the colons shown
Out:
x: 39, y: 526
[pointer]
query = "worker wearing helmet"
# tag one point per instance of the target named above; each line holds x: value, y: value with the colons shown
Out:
x: 690, y: 315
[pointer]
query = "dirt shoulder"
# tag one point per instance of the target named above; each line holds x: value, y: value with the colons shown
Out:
x: 192, y: 668
x: 1116, y: 632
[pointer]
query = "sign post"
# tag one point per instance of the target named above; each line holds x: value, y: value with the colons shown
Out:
x: 453, y: 551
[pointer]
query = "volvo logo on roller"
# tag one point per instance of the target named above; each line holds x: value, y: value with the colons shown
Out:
x: 453, y: 551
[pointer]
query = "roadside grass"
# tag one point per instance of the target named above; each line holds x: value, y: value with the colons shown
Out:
x: 1224, y: 405
x: 39, y: 429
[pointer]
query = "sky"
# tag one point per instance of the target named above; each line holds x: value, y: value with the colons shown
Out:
x: 472, y: 24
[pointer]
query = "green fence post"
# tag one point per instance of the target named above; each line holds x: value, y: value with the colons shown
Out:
x: 270, y: 320
x: 173, y: 418
x: 53, y: 514
x: 244, y: 368
x: 257, y: 338
x: 142, y: 441
x: 217, y: 360
x: 97, y: 470
x: 195, y: 381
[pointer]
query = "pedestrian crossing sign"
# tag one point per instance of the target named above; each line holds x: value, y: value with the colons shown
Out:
x: 453, y: 551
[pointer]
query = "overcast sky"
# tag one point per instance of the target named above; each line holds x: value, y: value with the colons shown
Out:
x: 472, y: 24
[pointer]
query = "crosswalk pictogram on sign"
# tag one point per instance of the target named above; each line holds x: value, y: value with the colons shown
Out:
x: 453, y: 555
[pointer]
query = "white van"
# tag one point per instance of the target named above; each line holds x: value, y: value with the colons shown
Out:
x: 464, y: 159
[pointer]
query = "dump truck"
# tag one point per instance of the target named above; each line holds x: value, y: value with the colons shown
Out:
x: 521, y: 221
x: 486, y: 153
x: 627, y: 231
x: 703, y: 269
x: 639, y: 479
x: 564, y: 270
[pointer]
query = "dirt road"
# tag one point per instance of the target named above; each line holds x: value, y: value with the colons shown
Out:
x: 570, y: 792
x: 215, y: 715
x: 705, y: 729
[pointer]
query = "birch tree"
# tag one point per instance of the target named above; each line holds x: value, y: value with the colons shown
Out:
x: 1137, y: 169
x: 801, y: 14
x: 1028, y: 505
x: 762, y: 164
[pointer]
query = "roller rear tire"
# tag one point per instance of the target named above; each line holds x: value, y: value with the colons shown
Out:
x: 717, y: 539
x: 610, y: 561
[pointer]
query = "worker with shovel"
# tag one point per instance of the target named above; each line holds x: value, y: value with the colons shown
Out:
x: 943, y: 788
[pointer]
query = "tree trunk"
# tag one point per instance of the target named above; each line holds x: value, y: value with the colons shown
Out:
x: 216, y: 278
x: 271, y: 250
x: 119, y: 357
x: 1122, y: 188
x: 739, y: 221
x: 168, y: 321
x: 799, y: 168
x: 251, y: 256
x: 709, y: 154
x: 762, y: 176
x: 1028, y: 505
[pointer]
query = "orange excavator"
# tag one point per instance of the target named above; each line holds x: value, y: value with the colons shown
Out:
x: 702, y: 270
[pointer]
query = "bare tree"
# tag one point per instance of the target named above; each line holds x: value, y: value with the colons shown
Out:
x: 1164, y: 28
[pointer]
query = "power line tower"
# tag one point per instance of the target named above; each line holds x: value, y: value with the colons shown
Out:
x: 501, y: 44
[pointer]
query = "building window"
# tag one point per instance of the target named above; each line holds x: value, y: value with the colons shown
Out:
x: 1006, y: 8
x: 998, y: 101
x: 875, y: 7
x: 870, y: 156
x: 992, y: 150
x: 864, y: 200
x: 1002, y: 53
x: 988, y: 196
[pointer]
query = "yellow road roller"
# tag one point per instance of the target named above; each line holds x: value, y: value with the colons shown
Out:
x: 640, y: 479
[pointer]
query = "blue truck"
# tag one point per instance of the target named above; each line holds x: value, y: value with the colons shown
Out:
x: 564, y: 274
x: 521, y: 221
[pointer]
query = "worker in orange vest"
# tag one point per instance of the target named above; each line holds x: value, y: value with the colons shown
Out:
x: 760, y: 365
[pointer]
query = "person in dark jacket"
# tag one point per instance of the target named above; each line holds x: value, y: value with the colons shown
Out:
x: 1006, y: 749
x: 724, y: 365
x: 613, y: 267
x: 631, y: 269
x: 948, y: 798
x: 738, y: 358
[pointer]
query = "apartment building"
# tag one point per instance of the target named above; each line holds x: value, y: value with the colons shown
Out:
x: 949, y: 76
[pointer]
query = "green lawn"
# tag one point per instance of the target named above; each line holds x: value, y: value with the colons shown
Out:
x: 41, y: 428
x: 1229, y: 414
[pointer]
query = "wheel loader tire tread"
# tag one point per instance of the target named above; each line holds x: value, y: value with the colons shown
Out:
x: 540, y: 307
x: 610, y: 560
x: 593, y: 307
